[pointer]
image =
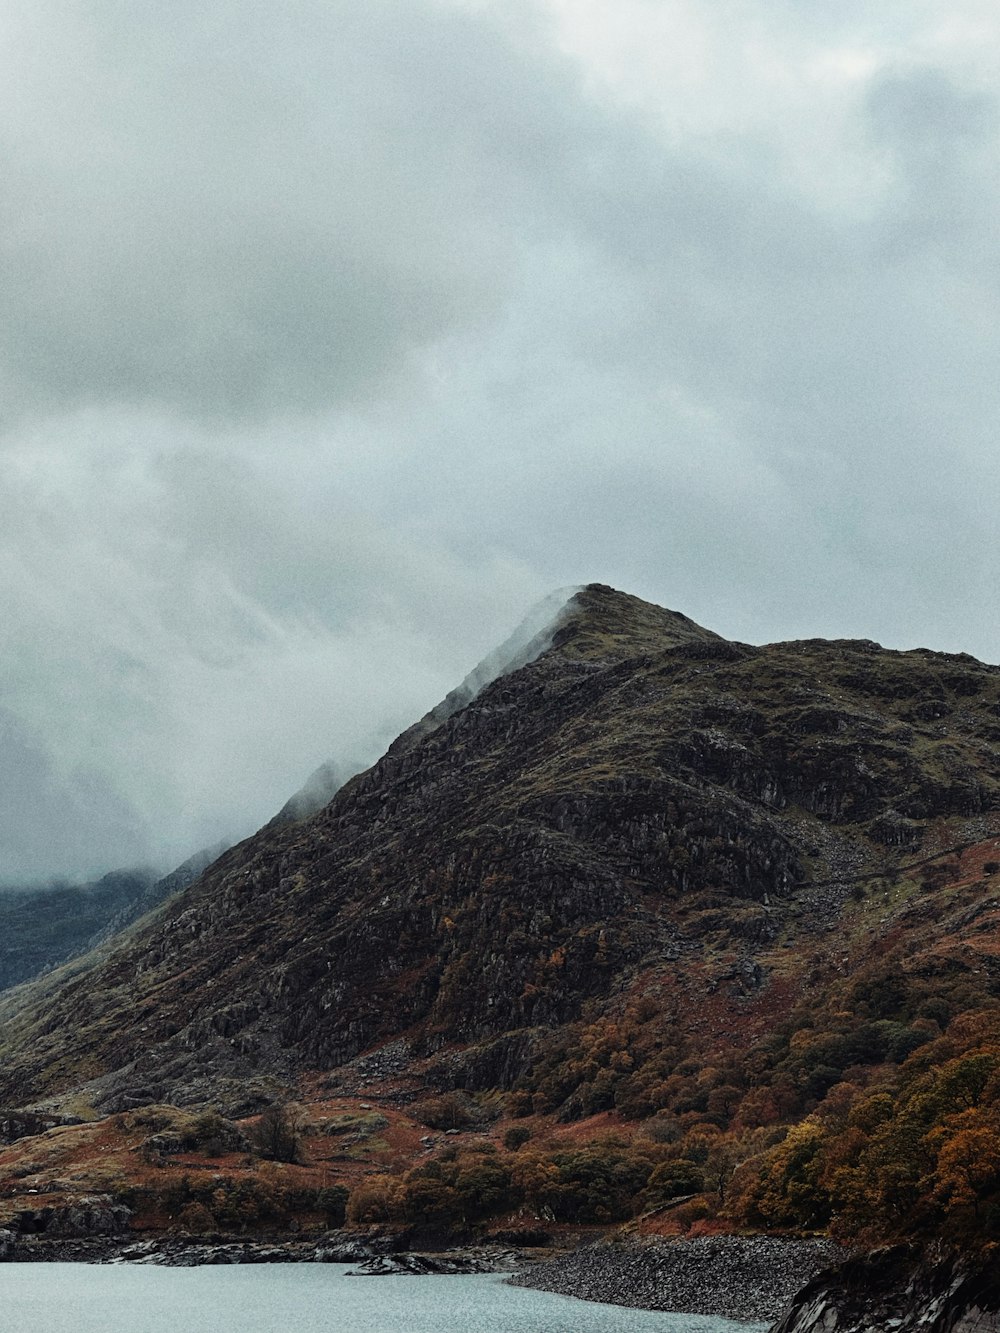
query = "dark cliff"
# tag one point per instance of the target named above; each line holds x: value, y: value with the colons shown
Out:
x: 899, y: 1289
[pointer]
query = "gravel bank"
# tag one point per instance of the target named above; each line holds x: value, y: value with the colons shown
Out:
x: 734, y: 1277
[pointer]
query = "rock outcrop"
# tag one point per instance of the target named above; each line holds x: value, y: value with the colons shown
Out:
x: 83, y: 1218
x: 899, y: 1290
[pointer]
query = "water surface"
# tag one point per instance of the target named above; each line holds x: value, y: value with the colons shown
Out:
x: 303, y: 1298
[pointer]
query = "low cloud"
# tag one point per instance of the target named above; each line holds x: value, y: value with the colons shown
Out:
x: 335, y: 337
x: 241, y: 214
x: 185, y: 645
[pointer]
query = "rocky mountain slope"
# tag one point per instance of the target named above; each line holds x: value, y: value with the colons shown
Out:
x: 648, y: 880
x: 639, y: 789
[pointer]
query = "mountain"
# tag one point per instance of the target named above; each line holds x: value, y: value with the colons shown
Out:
x: 695, y: 887
x: 364, y: 882
x: 318, y: 790
x: 40, y: 927
x: 43, y: 927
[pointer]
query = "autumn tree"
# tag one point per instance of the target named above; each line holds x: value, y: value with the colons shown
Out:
x: 277, y: 1133
x: 967, y: 1170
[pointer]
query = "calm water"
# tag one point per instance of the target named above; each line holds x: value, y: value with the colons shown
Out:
x: 302, y: 1298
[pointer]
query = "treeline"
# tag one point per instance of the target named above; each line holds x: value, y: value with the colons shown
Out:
x: 876, y: 1114
x: 907, y: 1147
x: 873, y: 1115
x: 917, y: 1154
x: 238, y: 1204
x: 605, y: 1180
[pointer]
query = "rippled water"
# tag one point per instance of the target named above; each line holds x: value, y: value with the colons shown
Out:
x: 303, y: 1298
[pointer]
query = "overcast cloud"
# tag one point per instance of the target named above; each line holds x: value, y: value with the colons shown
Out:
x: 333, y: 335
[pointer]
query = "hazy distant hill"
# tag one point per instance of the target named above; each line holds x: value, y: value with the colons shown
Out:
x: 42, y: 927
x: 318, y: 790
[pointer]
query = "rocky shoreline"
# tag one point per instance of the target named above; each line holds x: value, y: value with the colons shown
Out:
x: 373, y: 1258
x: 750, y: 1278
x: 789, y: 1285
x: 902, y: 1289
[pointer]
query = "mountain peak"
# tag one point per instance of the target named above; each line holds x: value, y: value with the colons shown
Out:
x: 599, y: 621
x: 593, y: 622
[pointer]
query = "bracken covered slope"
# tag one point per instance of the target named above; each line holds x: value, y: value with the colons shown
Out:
x: 645, y: 810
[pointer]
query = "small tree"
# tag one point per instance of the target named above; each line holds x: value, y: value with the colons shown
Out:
x: 515, y: 1137
x: 277, y: 1134
x: 449, y: 1111
x: 333, y: 1202
x: 196, y: 1218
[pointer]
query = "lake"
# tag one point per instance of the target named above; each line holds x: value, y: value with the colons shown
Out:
x: 303, y: 1298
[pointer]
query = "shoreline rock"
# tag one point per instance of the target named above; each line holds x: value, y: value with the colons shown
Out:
x: 750, y: 1278
x: 901, y: 1290
x: 371, y: 1259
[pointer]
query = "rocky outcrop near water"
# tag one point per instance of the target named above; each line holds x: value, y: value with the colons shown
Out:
x: 733, y: 1277
x: 368, y: 1258
x: 84, y: 1217
x: 453, y: 1263
x: 85, y: 1229
x: 899, y: 1291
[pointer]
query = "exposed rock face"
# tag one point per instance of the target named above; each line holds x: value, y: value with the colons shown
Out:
x: 893, y: 1290
x: 599, y: 810
x: 16, y: 1125
x: 91, y: 1215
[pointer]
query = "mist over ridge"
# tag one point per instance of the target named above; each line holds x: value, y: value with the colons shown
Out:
x: 336, y: 337
x: 135, y: 843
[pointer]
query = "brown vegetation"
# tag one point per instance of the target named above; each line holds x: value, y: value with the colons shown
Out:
x: 660, y: 930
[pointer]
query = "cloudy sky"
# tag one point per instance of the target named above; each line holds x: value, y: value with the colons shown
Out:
x: 335, y: 333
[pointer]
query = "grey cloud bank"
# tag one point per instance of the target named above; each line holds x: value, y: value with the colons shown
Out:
x: 333, y: 338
